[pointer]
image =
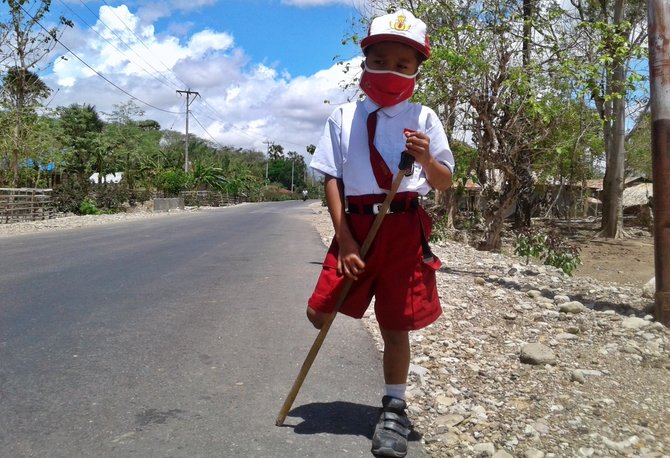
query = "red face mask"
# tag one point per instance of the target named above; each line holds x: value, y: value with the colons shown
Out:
x: 387, y: 88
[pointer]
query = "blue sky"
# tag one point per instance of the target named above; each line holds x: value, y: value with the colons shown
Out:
x: 263, y: 68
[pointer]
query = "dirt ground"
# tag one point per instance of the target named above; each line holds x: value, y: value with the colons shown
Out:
x: 628, y: 261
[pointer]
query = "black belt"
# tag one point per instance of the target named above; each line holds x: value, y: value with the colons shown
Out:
x: 373, y: 209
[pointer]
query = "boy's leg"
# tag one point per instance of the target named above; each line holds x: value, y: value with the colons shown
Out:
x: 393, y: 427
x: 396, y: 356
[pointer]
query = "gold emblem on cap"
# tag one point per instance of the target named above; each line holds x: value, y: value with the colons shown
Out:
x: 400, y: 24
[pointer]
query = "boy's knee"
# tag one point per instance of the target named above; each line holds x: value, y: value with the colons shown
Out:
x: 395, y: 338
x: 318, y: 319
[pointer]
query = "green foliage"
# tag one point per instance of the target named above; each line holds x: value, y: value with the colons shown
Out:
x: 111, y: 197
x: 547, y: 247
x: 638, y: 149
x: 172, y: 182
x: 276, y: 192
x: 440, y: 230
x: 287, y: 171
x: 69, y: 195
x: 87, y: 207
x: 206, y: 176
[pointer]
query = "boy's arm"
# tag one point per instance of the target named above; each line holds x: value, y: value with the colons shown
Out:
x: 349, y: 262
x: 437, y: 174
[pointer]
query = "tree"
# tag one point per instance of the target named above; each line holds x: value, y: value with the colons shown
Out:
x: 638, y: 149
x: 129, y: 144
x: 206, y: 176
x: 27, y: 43
x: 275, y: 151
x: 610, y: 35
x: 80, y: 127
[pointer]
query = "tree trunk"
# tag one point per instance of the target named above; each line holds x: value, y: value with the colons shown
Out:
x: 522, y: 216
x: 495, y: 221
x: 612, y: 222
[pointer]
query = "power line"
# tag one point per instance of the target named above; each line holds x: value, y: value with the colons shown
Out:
x: 143, y: 43
x: 163, y: 81
x: 97, y: 72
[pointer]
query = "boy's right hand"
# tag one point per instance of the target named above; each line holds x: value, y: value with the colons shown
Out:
x: 349, y: 262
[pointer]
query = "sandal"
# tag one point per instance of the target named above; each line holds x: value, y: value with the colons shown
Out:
x: 392, y: 430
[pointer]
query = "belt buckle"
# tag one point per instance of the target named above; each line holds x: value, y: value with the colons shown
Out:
x: 376, y: 208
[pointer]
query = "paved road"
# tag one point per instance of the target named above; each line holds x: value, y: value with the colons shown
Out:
x: 177, y: 336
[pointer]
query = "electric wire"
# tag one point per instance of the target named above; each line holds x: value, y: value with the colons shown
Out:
x: 163, y: 81
x: 207, y: 132
x: 144, y: 44
x: 97, y: 72
x: 219, y: 117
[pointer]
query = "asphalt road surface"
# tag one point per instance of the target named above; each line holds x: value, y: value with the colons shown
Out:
x: 177, y: 336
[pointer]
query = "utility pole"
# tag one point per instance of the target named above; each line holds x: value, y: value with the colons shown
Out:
x: 292, y: 168
x: 188, y: 93
x: 659, y: 83
x: 267, y: 162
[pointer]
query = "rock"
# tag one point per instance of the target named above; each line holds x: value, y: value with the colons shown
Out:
x: 579, y: 375
x: 561, y: 299
x: 634, y: 322
x: 649, y: 289
x: 566, y: 336
x: 533, y: 453
x: 502, y: 454
x: 537, y: 354
x: 573, y: 307
x: 485, y: 449
x: 449, y: 420
x: 620, y: 446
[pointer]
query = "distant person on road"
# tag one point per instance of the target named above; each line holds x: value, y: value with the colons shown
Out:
x: 360, y: 147
x: 304, y: 194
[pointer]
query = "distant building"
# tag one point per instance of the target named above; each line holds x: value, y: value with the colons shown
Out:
x: 109, y: 178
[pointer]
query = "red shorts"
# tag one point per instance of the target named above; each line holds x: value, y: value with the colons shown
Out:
x: 396, y: 275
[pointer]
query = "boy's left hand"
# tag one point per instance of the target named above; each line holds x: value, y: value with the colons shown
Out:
x: 418, y: 145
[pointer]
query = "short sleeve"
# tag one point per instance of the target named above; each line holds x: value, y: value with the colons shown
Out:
x: 439, y: 144
x: 327, y: 157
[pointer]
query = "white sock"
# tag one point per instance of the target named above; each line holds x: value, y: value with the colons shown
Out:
x: 395, y: 391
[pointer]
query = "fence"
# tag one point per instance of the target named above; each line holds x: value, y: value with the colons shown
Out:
x: 209, y: 199
x: 24, y: 204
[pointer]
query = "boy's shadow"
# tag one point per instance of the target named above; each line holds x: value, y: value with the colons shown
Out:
x: 339, y: 417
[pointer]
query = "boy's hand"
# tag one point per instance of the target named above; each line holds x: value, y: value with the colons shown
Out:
x: 349, y: 262
x: 418, y: 145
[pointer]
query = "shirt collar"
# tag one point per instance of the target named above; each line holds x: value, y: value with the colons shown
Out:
x: 391, y: 111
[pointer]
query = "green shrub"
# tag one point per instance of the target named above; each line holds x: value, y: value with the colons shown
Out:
x: 68, y: 195
x: 110, y: 196
x: 547, y: 247
x: 440, y: 228
x: 172, y: 182
x: 139, y: 195
x: 87, y: 207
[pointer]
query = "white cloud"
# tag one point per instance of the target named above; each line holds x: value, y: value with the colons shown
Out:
x: 153, y: 11
x: 358, y: 4
x: 241, y: 104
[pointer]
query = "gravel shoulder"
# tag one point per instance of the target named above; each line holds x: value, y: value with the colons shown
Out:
x: 529, y: 362
x: 525, y: 361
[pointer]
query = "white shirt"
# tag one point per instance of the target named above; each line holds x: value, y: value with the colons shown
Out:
x: 342, y: 151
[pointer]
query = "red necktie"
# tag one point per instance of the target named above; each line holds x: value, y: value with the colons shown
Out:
x: 379, y: 168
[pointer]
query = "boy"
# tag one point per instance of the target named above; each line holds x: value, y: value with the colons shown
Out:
x: 358, y: 151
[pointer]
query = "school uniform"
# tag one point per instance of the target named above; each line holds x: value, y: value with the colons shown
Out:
x: 398, y: 273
